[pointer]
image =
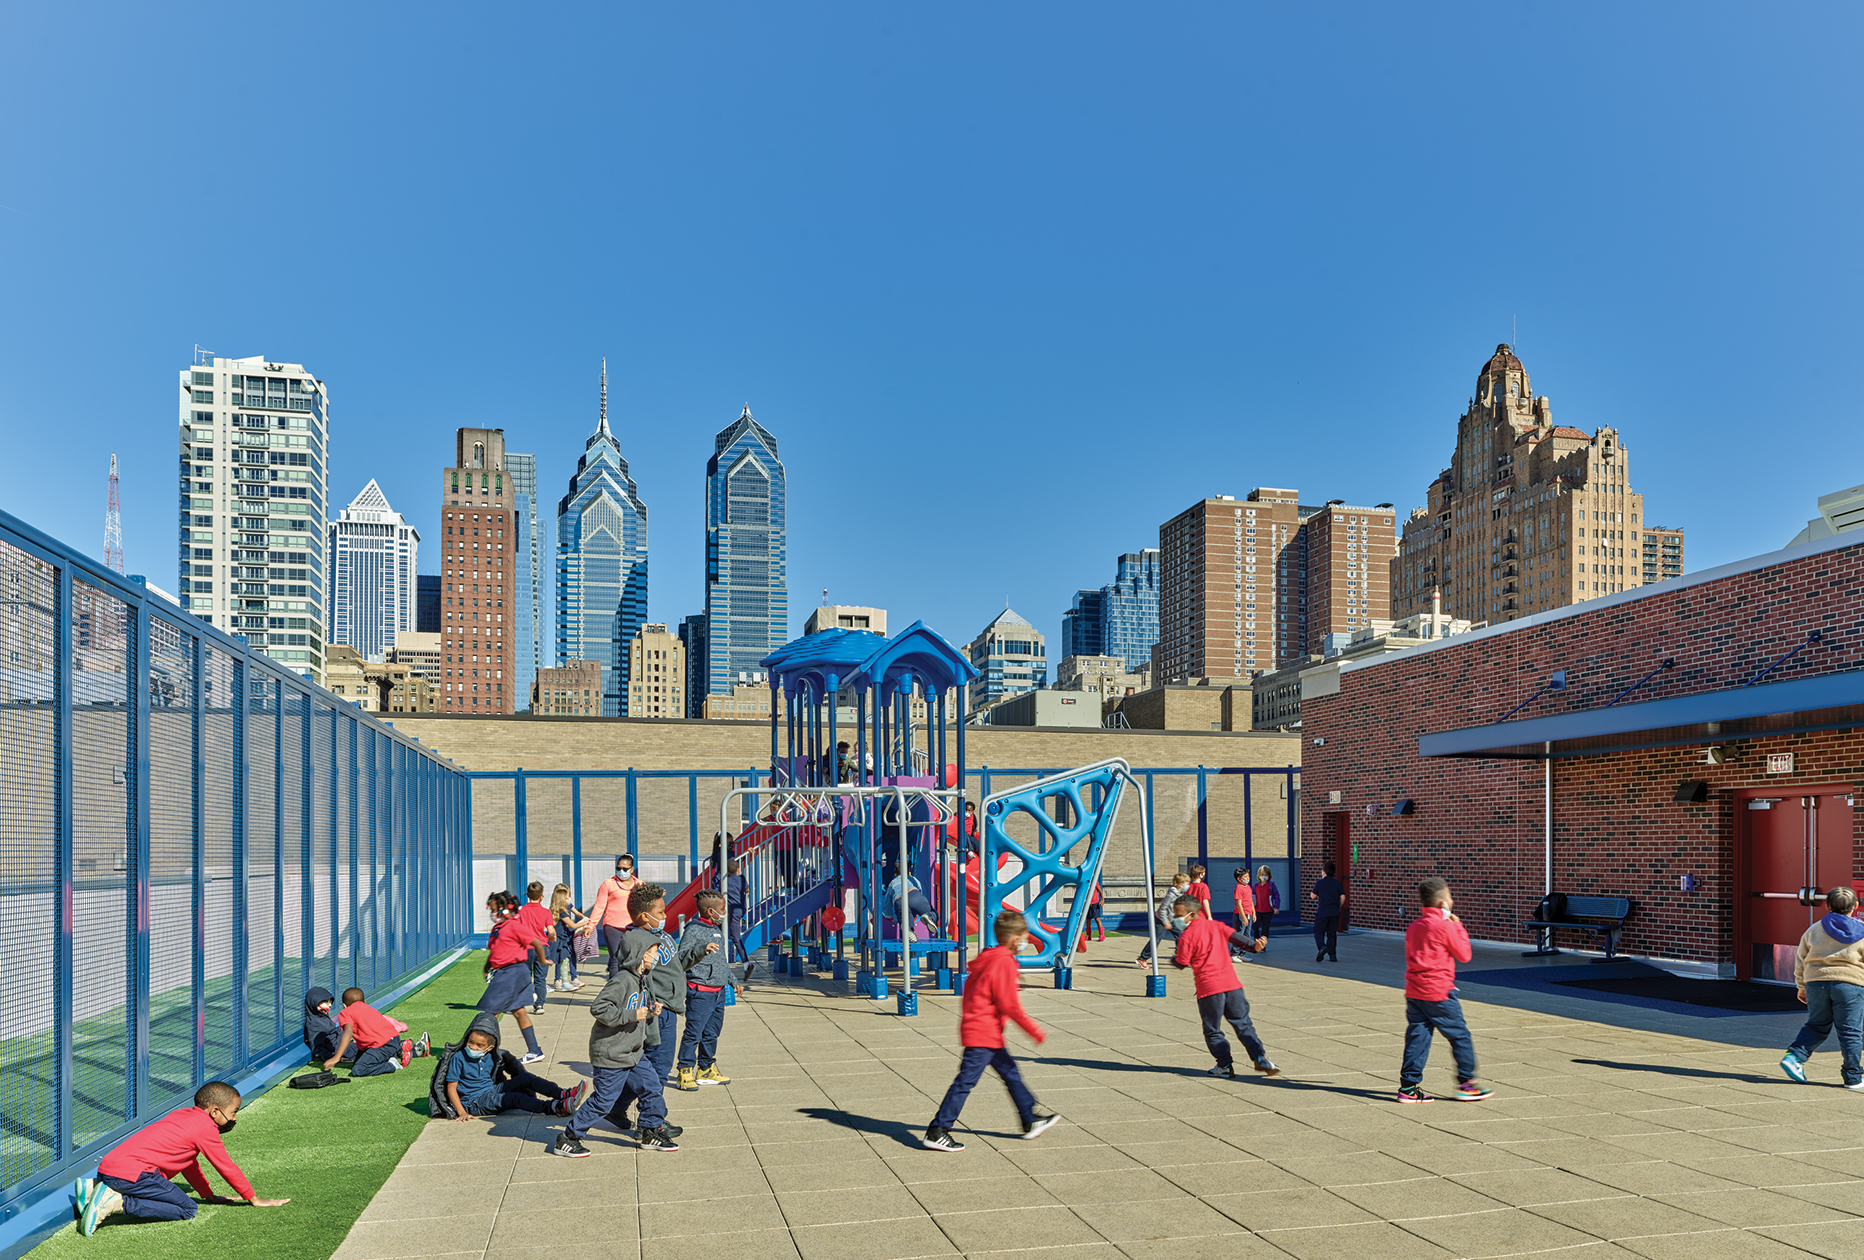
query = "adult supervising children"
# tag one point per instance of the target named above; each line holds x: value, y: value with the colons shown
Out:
x: 1205, y: 948
x: 611, y: 907
x: 1433, y: 945
x: 1329, y: 898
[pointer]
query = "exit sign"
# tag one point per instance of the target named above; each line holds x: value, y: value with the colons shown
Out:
x: 1779, y: 763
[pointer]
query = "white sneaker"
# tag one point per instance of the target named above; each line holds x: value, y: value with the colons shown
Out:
x: 533, y: 1056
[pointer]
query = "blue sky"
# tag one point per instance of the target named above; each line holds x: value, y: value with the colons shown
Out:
x: 1012, y: 284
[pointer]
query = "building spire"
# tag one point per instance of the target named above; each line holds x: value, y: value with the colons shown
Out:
x: 601, y: 425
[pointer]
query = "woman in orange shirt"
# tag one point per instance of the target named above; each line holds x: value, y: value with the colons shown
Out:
x: 611, y: 907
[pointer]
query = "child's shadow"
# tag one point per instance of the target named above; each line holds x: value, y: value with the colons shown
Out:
x: 904, y: 1134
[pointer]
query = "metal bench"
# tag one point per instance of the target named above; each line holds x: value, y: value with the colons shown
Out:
x: 1601, y: 916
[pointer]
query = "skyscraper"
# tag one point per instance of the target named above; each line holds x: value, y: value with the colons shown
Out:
x: 254, y: 462
x: 747, y: 588
x: 533, y: 651
x: 1121, y: 618
x: 427, y: 604
x: 478, y: 538
x: 373, y: 587
x: 1011, y: 657
x: 601, y: 562
x: 1528, y: 516
x: 692, y: 642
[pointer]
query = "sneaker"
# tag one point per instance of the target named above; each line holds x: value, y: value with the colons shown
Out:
x: 103, y: 1203
x: 1223, y: 1071
x: 688, y: 1080
x: 1794, y: 1067
x: 576, y: 1095
x: 1854, y: 1084
x: 937, y: 1139
x: 423, y: 1046
x: 1321, y: 957
x: 1414, y: 1095
x: 1470, y: 1091
x: 656, y: 1140
x: 573, y: 985
x: 568, y: 1146
x: 1041, y: 1122
x: 538, y: 1009
x: 1263, y: 1066
x: 83, y: 1191
x: 532, y: 1056
x: 712, y: 1076
x: 407, y: 1053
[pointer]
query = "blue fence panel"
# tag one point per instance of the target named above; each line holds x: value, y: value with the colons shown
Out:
x: 190, y: 836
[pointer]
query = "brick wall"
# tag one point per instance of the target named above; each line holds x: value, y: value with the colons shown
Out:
x: 1616, y: 829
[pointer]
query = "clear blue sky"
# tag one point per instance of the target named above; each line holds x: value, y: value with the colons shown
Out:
x: 1013, y: 284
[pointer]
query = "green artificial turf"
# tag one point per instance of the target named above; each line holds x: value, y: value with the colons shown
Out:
x: 327, y: 1150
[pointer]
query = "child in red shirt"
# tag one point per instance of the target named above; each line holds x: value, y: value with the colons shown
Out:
x: 1205, y: 948
x: 1433, y: 945
x: 536, y: 916
x: 991, y: 997
x: 509, y: 951
x: 1199, y: 889
x: 134, y: 1178
x: 380, y: 1047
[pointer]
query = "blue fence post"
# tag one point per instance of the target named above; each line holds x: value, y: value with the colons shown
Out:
x: 1203, y: 817
x: 199, y: 909
x: 136, y: 1082
x: 275, y: 699
x: 63, y: 951
x: 307, y: 839
x: 521, y: 840
x: 634, y: 821
x: 349, y: 726
x: 692, y: 829
x: 242, y: 948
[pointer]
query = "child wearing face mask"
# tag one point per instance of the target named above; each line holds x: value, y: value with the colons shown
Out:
x: 135, y: 1177
x: 483, y: 1080
x: 611, y: 908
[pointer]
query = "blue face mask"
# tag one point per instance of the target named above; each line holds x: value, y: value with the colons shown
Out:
x: 474, y: 1055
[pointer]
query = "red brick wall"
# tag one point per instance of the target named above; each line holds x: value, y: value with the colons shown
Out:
x: 1617, y: 831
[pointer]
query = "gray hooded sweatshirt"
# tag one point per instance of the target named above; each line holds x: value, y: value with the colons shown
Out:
x: 619, y: 1032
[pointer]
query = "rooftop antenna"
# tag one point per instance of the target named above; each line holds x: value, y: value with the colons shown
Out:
x: 602, y: 423
x: 113, y: 523
x: 825, y: 597
x: 203, y: 358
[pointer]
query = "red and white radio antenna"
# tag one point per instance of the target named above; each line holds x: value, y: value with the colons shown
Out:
x: 113, y: 524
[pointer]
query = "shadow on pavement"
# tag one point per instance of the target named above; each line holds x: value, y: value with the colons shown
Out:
x: 1671, y: 1070
x: 904, y: 1134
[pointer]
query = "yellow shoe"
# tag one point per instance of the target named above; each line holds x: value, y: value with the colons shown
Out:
x: 688, y: 1079
x: 712, y: 1076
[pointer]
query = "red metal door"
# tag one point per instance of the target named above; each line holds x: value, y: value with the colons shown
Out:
x: 1798, y: 847
x: 1343, y: 863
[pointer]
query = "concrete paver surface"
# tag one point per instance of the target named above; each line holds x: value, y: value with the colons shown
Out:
x: 1612, y: 1132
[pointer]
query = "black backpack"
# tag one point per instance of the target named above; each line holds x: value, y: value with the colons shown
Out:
x: 1552, y: 908
x: 317, y: 1080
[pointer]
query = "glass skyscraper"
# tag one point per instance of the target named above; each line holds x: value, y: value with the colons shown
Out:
x: 1121, y: 618
x: 532, y: 642
x: 747, y: 604
x: 373, y: 556
x: 601, y: 562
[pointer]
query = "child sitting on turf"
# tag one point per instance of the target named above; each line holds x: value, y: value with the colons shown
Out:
x: 1433, y: 945
x: 706, y: 979
x: 621, y: 1010
x: 134, y: 1178
x: 1205, y: 948
x: 321, y: 1032
x: 992, y: 996
x: 380, y: 1047
x: 479, y: 1082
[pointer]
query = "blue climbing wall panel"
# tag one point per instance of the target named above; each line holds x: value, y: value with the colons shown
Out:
x: 1068, y: 857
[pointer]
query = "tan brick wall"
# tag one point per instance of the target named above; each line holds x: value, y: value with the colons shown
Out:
x: 662, y: 806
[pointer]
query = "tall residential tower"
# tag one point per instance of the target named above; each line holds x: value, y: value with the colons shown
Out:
x: 602, y: 562
x: 530, y: 623
x: 1121, y: 618
x: 746, y: 573
x: 254, y: 464
x: 373, y: 588
x: 478, y: 539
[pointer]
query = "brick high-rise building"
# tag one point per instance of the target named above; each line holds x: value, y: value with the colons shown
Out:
x: 1255, y: 584
x: 1528, y: 516
x: 478, y: 553
x: 656, y: 673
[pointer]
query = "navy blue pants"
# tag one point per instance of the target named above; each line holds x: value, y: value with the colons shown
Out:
x: 1421, y: 1018
x: 153, y: 1197
x: 540, y: 973
x: 525, y: 1091
x: 379, y: 1061
x: 1327, y: 935
x: 970, y: 1070
x: 1233, y: 1006
x: 705, y: 1019
x: 618, y: 1087
x: 662, y: 1055
x: 1834, y: 1004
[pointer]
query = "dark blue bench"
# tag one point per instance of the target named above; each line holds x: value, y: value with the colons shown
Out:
x: 1602, y: 916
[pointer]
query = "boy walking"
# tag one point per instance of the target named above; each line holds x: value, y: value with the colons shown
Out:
x: 992, y: 996
x: 706, y: 978
x: 1165, y: 914
x: 1830, y: 973
x: 1328, y: 895
x: 380, y: 1046
x: 134, y: 1178
x: 666, y: 984
x: 1205, y: 948
x: 1433, y: 945
x: 616, y: 1039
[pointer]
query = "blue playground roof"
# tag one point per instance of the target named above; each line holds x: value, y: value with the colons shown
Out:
x: 867, y: 660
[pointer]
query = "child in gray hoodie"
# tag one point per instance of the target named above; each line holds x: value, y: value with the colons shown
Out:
x: 616, y: 1039
x: 1830, y: 973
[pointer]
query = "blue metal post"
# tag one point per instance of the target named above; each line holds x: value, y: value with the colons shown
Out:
x: 1249, y: 858
x: 275, y: 699
x: 520, y: 816
x: 576, y: 838
x: 634, y: 820
x: 1203, y: 817
x: 692, y: 833
x: 136, y: 1087
x: 355, y: 901
x: 63, y: 951
x: 198, y: 908
x: 242, y: 946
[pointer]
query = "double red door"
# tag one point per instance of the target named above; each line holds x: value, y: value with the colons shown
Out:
x: 1797, y: 847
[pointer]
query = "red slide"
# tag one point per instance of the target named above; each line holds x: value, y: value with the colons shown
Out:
x: 685, y: 903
